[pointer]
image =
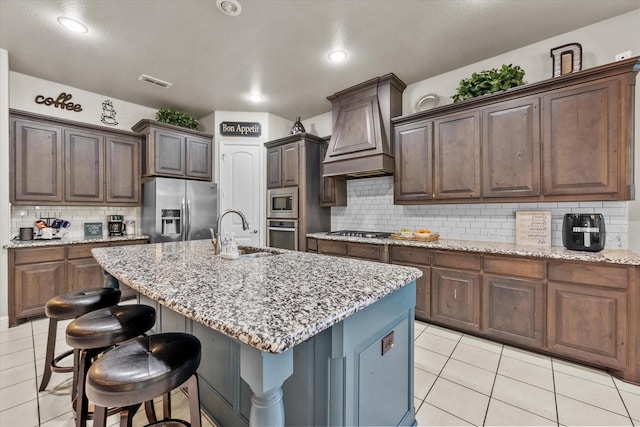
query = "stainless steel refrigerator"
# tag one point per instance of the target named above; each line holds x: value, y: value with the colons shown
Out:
x: 178, y: 209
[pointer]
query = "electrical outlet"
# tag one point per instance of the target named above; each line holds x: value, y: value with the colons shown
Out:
x: 623, y: 55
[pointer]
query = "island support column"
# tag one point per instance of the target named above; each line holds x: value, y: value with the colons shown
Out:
x: 265, y: 373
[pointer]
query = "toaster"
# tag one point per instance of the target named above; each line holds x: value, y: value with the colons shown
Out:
x: 583, y: 232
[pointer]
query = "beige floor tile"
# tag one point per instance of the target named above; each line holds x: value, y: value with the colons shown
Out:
x: 591, y: 374
x: 420, y: 326
x: 481, y: 343
x: 27, y: 413
x: 16, y: 345
x: 17, y: 394
x: 589, y: 392
x: 459, y: 401
x: 422, y: 383
x: 503, y: 414
x: 436, y: 343
x: 40, y: 326
x: 428, y: 360
x: 61, y: 346
x: 470, y: 376
x: 527, y: 356
x: 16, y: 374
x: 636, y: 423
x: 477, y: 357
x: 526, y: 372
x: 16, y: 359
x: 632, y: 402
x: 628, y: 387
x: 60, y: 383
x: 445, y: 333
x: 525, y: 396
x: 417, y: 403
x: 573, y: 413
x: 65, y: 420
x: 54, y: 404
x: 17, y: 332
x: 429, y: 415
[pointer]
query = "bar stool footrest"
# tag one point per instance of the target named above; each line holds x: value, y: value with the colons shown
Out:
x: 54, y: 363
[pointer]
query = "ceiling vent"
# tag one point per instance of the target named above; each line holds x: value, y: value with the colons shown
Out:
x: 154, y: 81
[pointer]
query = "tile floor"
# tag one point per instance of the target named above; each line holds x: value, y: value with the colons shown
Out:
x: 459, y: 380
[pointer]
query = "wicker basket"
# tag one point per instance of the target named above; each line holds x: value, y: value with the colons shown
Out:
x: 430, y: 238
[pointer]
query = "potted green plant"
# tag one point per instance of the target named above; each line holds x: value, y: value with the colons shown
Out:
x: 178, y: 118
x: 489, y: 81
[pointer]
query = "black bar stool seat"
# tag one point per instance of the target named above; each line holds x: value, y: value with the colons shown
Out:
x: 95, y: 332
x: 143, y: 369
x: 70, y: 306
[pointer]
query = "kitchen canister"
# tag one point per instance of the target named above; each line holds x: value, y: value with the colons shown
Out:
x: 26, y: 233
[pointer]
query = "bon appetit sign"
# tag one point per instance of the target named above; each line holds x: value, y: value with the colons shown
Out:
x: 253, y: 129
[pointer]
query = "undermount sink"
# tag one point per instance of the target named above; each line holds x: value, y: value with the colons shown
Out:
x: 245, y: 252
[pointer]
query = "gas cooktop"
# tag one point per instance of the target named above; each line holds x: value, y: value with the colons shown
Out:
x: 363, y: 234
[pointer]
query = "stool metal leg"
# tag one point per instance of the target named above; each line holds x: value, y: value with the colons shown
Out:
x: 99, y: 416
x: 51, y: 343
x: 194, y: 401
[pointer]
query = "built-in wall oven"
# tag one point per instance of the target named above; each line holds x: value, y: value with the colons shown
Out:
x: 282, y: 234
x: 283, y: 203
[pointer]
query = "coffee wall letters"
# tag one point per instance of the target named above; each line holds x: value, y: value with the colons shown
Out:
x: 63, y: 101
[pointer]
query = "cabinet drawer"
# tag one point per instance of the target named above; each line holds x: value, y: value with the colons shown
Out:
x: 365, y: 251
x: 27, y: 256
x: 332, y: 247
x: 82, y: 251
x: 128, y: 242
x: 514, y: 267
x: 456, y: 260
x: 312, y: 245
x: 401, y: 254
x: 589, y: 274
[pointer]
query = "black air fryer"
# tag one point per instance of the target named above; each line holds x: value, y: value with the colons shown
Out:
x: 583, y: 232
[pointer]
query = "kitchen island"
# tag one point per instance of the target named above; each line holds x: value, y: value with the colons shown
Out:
x: 291, y: 337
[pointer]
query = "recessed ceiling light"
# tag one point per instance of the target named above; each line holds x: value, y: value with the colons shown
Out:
x: 337, y: 55
x: 255, y: 97
x: 72, y: 25
x: 229, y: 7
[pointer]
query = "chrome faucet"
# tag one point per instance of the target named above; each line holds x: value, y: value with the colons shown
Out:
x: 216, y: 240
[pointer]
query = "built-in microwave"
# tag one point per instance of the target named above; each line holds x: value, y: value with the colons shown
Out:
x: 283, y: 203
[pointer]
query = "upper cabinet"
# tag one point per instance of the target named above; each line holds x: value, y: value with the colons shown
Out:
x: 175, y: 152
x: 283, y: 165
x: 60, y: 162
x: 569, y: 138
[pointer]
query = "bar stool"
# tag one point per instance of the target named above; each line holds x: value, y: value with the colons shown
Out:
x: 70, y: 306
x: 143, y: 369
x: 93, y: 333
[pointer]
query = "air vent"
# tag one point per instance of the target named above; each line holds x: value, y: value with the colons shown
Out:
x: 154, y: 81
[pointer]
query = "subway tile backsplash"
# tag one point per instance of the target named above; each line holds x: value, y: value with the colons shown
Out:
x: 25, y: 216
x: 370, y: 207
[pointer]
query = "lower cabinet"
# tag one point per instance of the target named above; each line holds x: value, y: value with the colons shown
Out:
x: 366, y: 251
x: 38, y: 274
x: 419, y: 258
x: 456, y: 298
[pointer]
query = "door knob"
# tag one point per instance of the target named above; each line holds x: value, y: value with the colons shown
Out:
x: 255, y: 231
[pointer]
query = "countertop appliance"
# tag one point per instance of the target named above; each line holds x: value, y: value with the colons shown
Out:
x: 115, y: 225
x: 583, y: 232
x: 178, y: 209
x: 362, y: 234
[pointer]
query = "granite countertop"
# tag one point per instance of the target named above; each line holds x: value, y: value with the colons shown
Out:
x: 69, y: 241
x: 612, y: 256
x: 271, y: 303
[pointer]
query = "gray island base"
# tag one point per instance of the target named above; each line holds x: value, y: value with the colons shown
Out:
x: 289, y: 339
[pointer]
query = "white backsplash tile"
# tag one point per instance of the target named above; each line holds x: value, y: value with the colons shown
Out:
x: 370, y: 207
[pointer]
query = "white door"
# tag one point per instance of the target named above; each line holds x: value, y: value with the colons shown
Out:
x: 241, y: 188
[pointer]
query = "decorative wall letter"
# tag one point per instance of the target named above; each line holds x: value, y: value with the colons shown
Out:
x: 566, y: 59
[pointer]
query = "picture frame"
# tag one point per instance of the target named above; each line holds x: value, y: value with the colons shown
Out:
x: 92, y: 229
x: 566, y: 59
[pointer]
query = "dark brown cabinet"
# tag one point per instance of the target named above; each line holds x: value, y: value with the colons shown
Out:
x: 419, y: 258
x: 511, y: 149
x: 174, y: 151
x: 38, y: 274
x: 283, y: 166
x: 333, y: 189
x: 456, y: 298
x: 370, y: 252
x: 413, y: 180
x: 60, y: 162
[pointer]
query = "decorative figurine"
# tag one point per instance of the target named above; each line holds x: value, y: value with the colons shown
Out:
x: 297, y: 127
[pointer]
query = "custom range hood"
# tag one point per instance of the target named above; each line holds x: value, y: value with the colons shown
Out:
x: 361, y: 143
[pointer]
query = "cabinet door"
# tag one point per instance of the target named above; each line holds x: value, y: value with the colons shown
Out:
x: 587, y: 323
x: 413, y: 179
x: 456, y: 298
x: 290, y: 165
x: 123, y: 170
x: 511, y: 149
x: 274, y: 167
x: 333, y: 190
x: 580, y: 140
x: 198, y: 158
x: 457, y: 156
x: 37, y: 153
x: 84, y: 168
x: 169, y: 153
x: 35, y: 284
x: 83, y: 274
x: 513, y: 309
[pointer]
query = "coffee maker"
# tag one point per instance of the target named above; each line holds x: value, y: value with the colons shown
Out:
x: 116, y: 226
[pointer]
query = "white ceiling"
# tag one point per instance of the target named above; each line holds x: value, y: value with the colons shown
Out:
x: 276, y: 47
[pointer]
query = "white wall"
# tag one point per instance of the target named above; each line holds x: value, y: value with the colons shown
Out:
x: 600, y: 43
x: 5, y: 225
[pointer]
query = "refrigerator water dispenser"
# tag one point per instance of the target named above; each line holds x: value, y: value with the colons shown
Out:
x: 171, y: 220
